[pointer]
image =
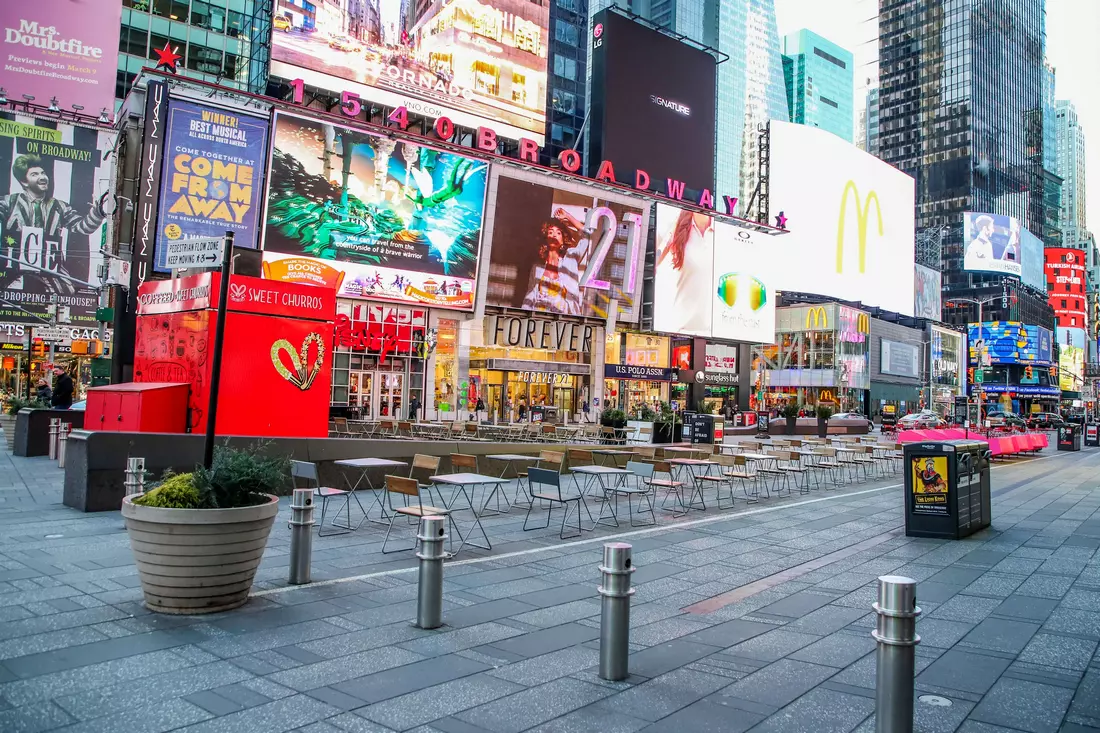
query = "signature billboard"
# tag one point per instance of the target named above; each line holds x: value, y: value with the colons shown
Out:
x: 1065, y: 284
x: 55, y: 211
x: 212, y: 179
x: 850, y: 217
x: 927, y: 292
x: 62, y: 49
x: 993, y: 243
x: 1010, y: 342
x: 565, y: 248
x: 697, y: 255
x: 478, y: 63
x: 370, y: 216
x: 1071, y: 368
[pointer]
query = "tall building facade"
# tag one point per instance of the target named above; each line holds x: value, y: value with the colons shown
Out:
x: 819, y: 80
x: 222, y: 41
x: 566, y: 74
x: 750, y: 80
x: 867, y: 134
x: 1070, y: 165
x: 960, y: 110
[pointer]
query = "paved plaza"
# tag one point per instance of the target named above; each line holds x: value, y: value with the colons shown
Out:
x: 751, y: 619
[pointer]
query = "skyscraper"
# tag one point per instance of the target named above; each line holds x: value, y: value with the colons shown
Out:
x: 960, y: 109
x: 867, y: 134
x: 566, y: 74
x: 750, y: 81
x: 819, y: 80
x: 1070, y: 165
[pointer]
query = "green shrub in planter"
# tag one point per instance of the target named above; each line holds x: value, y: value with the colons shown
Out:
x: 823, y: 412
x: 174, y: 492
x: 238, y: 478
x: 790, y: 411
x: 15, y: 404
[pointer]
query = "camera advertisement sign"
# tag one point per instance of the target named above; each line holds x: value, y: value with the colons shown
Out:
x: 213, y: 166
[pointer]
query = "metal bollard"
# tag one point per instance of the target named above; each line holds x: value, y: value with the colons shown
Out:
x: 62, y: 438
x: 895, y: 661
x: 615, y: 611
x: 55, y: 429
x: 135, y: 476
x: 301, y: 535
x: 429, y: 593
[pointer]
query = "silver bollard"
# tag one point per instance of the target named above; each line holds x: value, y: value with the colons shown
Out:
x: 135, y: 476
x: 62, y: 438
x: 429, y: 593
x: 55, y: 428
x: 615, y: 611
x: 301, y: 535
x: 895, y: 661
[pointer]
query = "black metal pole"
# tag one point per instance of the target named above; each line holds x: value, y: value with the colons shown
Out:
x: 219, y: 342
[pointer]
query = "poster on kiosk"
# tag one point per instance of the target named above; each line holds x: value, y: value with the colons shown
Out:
x: 277, y: 360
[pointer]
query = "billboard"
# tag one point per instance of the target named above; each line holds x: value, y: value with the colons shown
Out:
x: 1071, y: 368
x: 55, y: 211
x: 212, y: 180
x: 565, y: 248
x: 927, y: 292
x: 478, y: 63
x: 898, y: 359
x: 1066, y: 286
x: 850, y: 217
x: 1011, y: 342
x: 991, y: 243
x: 697, y: 255
x: 371, y: 216
x: 1031, y: 260
x: 652, y: 105
x: 62, y: 49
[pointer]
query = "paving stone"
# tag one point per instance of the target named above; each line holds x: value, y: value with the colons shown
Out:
x: 1086, y: 703
x: 730, y: 633
x: 214, y: 703
x: 408, y: 678
x: 1024, y: 705
x: 1083, y: 600
x: 423, y: 706
x: 539, y: 670
x: 964, y: 670
x: 826, y: 620
x: 544, y: 641
x: 995, y: 584
x: 1055, y: 650
x: 333, y: 671
x: 820, y: 711
x: 57, y: 684
x: 1073, y: 621
x: 664, y: 695
x: 970, y: 609
x: 797, y: 604
x: 532, y: 707
x: 1046, y: 586
x: 939, y: 633
x: 33, y: 718
x: 1001, y: 635
x: 778, y: 684
x: 836, y: 650
x: 592, y: 718
x: 273, y: 717
x: 1032, y: 609
x: 455, y: 640
x: 705, y: 716
x: 938, y: 719
x: 773, y: 645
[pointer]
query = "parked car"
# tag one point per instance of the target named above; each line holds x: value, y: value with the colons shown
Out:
x: 1045, y: 421
x: 855, y: 417
x: 1003, y: 419
x: 79, y: 406
x: 923, y: 420
x: 343, y: 43
x: 281, y: 23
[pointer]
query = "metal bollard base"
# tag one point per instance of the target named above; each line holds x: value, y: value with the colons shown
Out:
x: 615, y: 596
x: 895, y: 659
x: 429, y: 592
x: 301, y: 536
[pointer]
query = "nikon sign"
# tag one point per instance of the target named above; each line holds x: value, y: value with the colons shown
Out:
x: 861, y: 207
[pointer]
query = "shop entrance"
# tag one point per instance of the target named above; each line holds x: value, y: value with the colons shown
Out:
x: 377, y: 394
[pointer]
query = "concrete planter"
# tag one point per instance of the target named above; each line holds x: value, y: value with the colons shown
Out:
x: 7, y: 424
x: 197, y: 560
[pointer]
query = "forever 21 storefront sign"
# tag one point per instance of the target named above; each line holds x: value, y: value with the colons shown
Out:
x: 536, y: 333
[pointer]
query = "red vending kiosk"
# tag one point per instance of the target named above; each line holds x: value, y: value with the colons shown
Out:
x: 277, y: 362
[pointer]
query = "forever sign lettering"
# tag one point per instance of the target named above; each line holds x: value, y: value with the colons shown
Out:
x: 187, y: 253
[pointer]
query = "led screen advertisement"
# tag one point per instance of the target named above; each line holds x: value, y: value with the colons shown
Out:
x: 850, y: 217
x: 927, y: 293
x: 1010, y: 342
x: 1065, y: 280
x: 652, y: 104
x: 478, y: 63
x: 1031, y: 260
x: 567, y: 249
x: 1071, y: 366
x: 992, y: 243
x: 697, y: 254
x: 212, y: 179
x: 372, y: 217
x: 55, y: 213
x: 63, y: 49
x: 898, y: 359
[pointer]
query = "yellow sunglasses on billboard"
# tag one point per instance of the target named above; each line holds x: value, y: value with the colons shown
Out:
x: 730, y: 283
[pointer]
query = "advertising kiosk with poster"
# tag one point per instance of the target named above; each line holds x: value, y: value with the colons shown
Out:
x: 277, y: 364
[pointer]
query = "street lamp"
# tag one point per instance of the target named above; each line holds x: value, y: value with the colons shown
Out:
x: 980, y: 303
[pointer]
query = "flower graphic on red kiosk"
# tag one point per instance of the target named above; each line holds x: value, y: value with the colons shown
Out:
x: 301, y: 376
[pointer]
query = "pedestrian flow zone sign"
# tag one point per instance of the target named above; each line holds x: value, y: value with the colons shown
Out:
x: 188, y: 253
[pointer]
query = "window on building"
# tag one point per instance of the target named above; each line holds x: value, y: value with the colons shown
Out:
x: 829, y: 102
x: 564, y: 102
x: 567, y: 33
x: 565, y: 67
x: 830, y: 58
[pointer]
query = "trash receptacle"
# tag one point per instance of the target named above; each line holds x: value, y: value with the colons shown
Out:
x: 1069, y: 437
x: 946, y: 488
x: 1092, y: 435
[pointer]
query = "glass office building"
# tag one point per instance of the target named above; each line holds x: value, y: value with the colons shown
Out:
x: 567, y: 73
x: 221, y: 41
x: 1069, y: 163
x: 820, y: 82
x: 960, y: 110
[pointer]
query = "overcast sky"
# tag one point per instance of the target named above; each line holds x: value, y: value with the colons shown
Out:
x: 1073, y: 48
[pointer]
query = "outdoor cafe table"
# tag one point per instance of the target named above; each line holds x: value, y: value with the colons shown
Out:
x: 681, y: 450
x: 691, y: 465
x: 432, y: 430
x: 459, y: 481
x: 614, y: 453
x: 604, y: 474
x: 509, y: 460
x: 364, y: 466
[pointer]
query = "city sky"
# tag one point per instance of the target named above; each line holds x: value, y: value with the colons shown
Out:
x: 1071, y: 48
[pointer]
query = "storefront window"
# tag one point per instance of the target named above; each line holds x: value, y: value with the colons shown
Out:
x: 647, y: 356
x: 446, y: 368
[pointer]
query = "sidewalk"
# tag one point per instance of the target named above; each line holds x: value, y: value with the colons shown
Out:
x: 777, y: 637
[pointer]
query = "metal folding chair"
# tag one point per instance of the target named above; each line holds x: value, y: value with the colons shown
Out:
x: 408, y: 488
x: 553, y: 495
x: 308, y: 473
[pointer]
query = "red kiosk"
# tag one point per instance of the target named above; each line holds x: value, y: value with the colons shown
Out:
x: 277, y: 365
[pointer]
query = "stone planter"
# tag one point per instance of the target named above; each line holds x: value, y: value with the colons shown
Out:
x: 7, y: 424
x: 197, y: 560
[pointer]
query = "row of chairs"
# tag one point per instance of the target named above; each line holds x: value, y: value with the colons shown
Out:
x: 535, y: 432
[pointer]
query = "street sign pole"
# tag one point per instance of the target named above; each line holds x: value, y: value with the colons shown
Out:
x: 219, y: 342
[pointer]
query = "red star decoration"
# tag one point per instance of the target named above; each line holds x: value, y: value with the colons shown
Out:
x: 167, y: 58
x: 781, y: 221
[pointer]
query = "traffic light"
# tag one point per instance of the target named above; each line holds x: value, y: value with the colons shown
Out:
x: 93, y: 347
x: 970, y: 375
x: 38, y: 348
x: 1029, y: 373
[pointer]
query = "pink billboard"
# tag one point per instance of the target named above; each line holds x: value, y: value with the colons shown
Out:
x: 66, y: 49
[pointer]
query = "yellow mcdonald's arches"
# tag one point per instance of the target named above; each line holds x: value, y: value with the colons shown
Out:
x: 815, y: 315
x: 863, y: 208
x: 863, y: 323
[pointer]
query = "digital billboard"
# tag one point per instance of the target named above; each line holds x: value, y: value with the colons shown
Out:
x: 898, y: 359
x: 62, y: 49
x: 697, y: 255
x: 927, y: 292
x: 1011, y: 342
x: 212, y: 181
x: 1065, y: 284
x: 55, y: 214
x: 1031, y: 260
x: 371, y: 216
x: 652, y: 105
x: 1071, y: 368
x: 565, y: 248
x: 478, y: 63
x: 992, y: 243
x: 850, y: 217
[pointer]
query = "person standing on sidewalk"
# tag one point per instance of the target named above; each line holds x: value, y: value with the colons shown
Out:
x: 62, y: 390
